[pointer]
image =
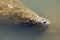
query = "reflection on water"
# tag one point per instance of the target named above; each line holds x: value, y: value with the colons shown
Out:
x: 49, y: 9
x: 20, y: 32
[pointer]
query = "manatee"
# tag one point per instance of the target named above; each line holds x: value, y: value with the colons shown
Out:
x: 14, y: 11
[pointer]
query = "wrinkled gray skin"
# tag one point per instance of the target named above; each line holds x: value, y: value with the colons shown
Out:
x: 12, y: 11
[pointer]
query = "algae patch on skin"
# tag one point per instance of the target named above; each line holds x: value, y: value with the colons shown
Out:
x: 14, y: 11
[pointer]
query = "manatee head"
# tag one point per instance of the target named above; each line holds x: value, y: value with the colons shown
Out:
x: 43, y: 21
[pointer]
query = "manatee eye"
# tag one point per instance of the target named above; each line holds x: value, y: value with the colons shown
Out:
x: 44, y: 22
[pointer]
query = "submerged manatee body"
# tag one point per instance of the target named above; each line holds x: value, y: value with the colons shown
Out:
x: 12, y: 11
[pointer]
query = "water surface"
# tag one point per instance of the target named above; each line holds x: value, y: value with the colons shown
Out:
x: 49, y: 9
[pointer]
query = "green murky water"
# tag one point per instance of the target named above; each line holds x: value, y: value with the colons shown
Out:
x: 49, y: 9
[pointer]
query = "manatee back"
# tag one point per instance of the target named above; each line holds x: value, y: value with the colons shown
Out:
x: 8, y: 8
x: 13, y: 11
